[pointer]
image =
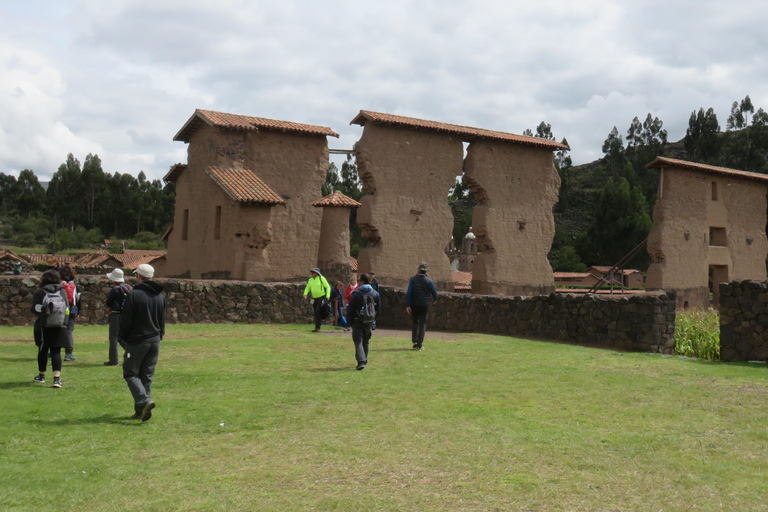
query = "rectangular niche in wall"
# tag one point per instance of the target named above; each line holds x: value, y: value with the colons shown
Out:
x: 717, y: 237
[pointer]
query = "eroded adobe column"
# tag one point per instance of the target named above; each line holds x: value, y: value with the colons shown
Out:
x: 405, y: 216
x: 517, y: 188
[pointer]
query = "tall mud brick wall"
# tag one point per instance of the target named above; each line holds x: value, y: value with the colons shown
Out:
x: 517, y: 188
x: 405, y: 216
x: 708, y: 225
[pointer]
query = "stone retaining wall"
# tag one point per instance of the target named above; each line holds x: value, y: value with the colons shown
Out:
x: 744, y: 321
x: 641, y: 322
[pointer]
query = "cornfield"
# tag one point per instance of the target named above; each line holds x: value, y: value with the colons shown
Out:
x: 697, y: 334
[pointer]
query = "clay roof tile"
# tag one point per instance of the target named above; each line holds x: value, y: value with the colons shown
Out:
x: 244, y: 186
x: 468, y: 133
x: 337, y: 199
x: 662, y: 162
x: 248, y: 123
x: 174, y: 173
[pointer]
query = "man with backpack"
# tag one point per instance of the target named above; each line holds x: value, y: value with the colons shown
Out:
x: 115, y: 301
x: 364, y: 305
x: 142, y: 327
x: 319, y: 291
x: 417, y: 300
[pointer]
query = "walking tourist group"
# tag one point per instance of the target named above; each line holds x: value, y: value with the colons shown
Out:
x: 137, y: 320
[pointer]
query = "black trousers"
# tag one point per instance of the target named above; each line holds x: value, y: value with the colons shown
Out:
x: 419, y: 316
x: 139, y: 362
x: 318, y: 315
x: 361, y: 335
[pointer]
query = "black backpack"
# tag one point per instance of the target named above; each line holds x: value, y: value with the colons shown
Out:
x: 368, y: 311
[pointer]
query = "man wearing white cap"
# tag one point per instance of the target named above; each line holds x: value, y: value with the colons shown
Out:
x: 115, y: 300
x: 142, y: 327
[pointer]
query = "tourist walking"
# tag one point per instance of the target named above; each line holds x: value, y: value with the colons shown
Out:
x: 362, y: 309
x: 50, y: 305
x: 421, y: 292
x: 142, y: 327
x: 337, y: 305
x: 115, y: 300
x: 319, y: 292
x: 73, y: 297
x: 350, y: 288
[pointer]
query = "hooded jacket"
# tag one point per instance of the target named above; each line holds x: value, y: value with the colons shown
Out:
x: 357, y: 302
x: 143, y: 316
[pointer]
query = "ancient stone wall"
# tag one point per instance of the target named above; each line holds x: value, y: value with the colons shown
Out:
x: 683, y: 247
x: 643, y: 323
x: 405, y: 216
x: 517, y: 188
x: 744, y: 321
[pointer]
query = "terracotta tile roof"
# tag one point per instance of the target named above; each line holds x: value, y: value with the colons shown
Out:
x: 95, y: 259
x: 7, y: 254
x: 51, y: 258
x: 132, y: 258
x: 249, y: 123
x: 571, y: 275
x: 353, y: 264
x: 244, y: 186
x: 660, y: 162
x: 337, y: 199
x: 462, y: 278
x: 175, y: 172
x: 467, y: 133
x: 462, y: 287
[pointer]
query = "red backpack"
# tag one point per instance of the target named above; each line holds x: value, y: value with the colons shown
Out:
x: 69, y: 287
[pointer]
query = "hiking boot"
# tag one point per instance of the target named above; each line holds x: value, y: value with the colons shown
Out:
x: 361, y: 366
x: 146, y: 413
x: 57, y: 382
x: 69, y: 357
x: 315, y: 330
x: 135, y: 416
x: 416, y: 347
x: 109, y: 363
x: 40, y: 378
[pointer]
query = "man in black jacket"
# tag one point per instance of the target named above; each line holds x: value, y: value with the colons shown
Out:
x: 361, y: 327
x: 421, y: 292
x: 142, y: 326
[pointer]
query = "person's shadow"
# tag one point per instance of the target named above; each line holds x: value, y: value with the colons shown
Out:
x: 104, y: 418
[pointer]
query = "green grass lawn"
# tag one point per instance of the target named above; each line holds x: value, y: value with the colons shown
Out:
x: 276, y: 418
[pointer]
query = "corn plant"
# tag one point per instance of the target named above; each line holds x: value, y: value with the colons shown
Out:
x: 697, y: 334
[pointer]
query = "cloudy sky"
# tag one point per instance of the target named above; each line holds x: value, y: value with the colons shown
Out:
x: 120, y: 78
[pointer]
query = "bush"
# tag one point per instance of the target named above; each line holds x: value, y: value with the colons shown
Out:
x: 25, y: 240
x: 42, y: 267
x: 697, y: 334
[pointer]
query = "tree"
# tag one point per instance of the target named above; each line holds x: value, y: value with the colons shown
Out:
x: 701, y: 137
x: 30, y: 195
x: 634, y: 133
x: 567, y: 260
x: 736, y: 119
x: 544, y: 131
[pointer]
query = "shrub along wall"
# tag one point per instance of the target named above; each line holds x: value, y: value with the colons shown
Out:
x: 744, y: 321
x: 640, y: 322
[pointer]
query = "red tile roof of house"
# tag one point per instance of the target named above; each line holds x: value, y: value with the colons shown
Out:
x: 248, y: 123
x: 468, y: 133
x: 337, y: 199
x: 661, y: 162
x: 51, y: 258
x: 571, y: 275
x: 353, y: 264
x: 175, y: 172
x: 7, y: 254
x: 244, y: 186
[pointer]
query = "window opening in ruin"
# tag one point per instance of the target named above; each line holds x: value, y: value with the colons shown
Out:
x: 714, y: 191
x: 217, y: 224
x: 717, y: 274
x: 185, y: 225
x: 717, y: 237
x: 685, y: 305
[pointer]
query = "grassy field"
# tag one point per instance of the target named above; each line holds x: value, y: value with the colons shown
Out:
x: 275, y: 418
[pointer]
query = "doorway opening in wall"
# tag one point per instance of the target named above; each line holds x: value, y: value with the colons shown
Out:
x: 717, y: 274
x: 461, y: 247
x: 217, y: 224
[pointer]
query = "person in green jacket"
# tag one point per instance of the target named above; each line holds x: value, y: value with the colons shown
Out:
x: 318, y: 291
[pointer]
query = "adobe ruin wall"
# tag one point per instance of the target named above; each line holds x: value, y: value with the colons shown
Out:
x: 643, y: 322
x: 517, y: 188
x: 679, y: 241
x: 405, y: 216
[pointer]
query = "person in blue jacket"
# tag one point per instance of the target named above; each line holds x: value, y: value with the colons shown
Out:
x: 421, y: 293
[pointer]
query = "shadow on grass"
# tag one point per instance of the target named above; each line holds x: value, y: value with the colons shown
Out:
x: 104, y: 418
x: 18, y: 359
x: 403, y: 349
x: 26, y: 383
x: 342, y: 369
